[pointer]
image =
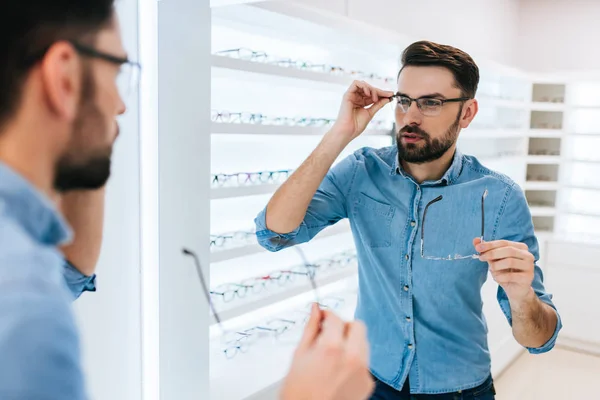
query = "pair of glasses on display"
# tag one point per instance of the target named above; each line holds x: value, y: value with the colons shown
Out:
x: 456, y: 256
x: 231, y: 239
x: 230, y: 291
x: 428, y: 106
x: 227, y: 117
x: 251, y: 178
x: 262, y: 57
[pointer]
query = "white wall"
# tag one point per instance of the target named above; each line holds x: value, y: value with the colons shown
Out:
x: 559, y: 35
x: 484, y: 28
x: 109, y: 319
x: 184, y: 195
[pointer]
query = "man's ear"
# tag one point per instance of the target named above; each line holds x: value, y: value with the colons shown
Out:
x: 61, y: 79
x: 469, y: 112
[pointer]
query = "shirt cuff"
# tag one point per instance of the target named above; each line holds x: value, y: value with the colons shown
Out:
x: 550, y: 343
x: 78, y: 282
x: 270, y: 240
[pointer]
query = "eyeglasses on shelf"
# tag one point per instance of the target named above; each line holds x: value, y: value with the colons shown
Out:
x: 228, y: 292
x: 250, y: 178
x: 262, y: 57
x: 231, y: 239
x: 238, y: 117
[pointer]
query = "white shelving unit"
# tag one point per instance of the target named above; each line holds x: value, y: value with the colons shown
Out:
x: 544, y: 158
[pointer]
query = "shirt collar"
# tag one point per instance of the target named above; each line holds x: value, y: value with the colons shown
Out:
x: 21, y: 201
x: 451, y: 174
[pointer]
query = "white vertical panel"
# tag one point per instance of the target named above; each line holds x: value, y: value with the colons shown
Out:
x: 184, y: 193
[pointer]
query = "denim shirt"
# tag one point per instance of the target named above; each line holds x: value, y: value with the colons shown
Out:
x: 424, y: 316
x: 39, y: 342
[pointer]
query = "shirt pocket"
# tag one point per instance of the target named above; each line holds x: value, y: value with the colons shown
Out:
x: 373, y: 220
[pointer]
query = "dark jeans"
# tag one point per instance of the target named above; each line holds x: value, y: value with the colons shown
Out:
x: 382, y: 391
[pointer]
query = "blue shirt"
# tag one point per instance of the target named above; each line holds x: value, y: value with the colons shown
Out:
x: 424, y: 317
x: 39, y: 343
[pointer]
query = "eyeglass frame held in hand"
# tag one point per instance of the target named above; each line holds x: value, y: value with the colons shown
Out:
x: 456, y: 256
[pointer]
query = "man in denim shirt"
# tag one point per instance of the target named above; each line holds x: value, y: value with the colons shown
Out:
x: 418, y: 212
x: 58, y: 109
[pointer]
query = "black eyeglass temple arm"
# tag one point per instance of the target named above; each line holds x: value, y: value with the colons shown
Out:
x: 440, y: 197
x: 203, y: 282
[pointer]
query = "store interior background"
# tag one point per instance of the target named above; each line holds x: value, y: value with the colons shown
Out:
x: 147, y: 332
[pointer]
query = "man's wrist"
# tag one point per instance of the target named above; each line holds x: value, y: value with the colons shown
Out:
x: 525, y: 302
x: 335, y: 141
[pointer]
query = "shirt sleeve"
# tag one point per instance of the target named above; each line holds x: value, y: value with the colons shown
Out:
x: 76, y: 281
x: 39, y: 346
x: 327, y: 207
x: 516, y: 225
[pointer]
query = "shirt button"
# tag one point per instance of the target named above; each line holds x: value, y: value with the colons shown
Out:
x: 413, y: 223
x: 410, y: 346
x: 406, y: 288
x: 408, y: 319
x: 407, y: 257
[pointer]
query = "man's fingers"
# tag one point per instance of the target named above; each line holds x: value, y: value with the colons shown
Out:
x: 487, y: 246
x: 363, y: 88
x: 512, y: 264
x: 504, y: 252
x: 374, y: 109
x: 312, y: 328
x: 332, y: 331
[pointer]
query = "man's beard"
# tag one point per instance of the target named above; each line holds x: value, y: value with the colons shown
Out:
x: 79, y: 168
x: 429, y: 150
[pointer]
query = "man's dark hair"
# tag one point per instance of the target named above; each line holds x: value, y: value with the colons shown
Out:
x: 29, y: 27
x: 430, y: 54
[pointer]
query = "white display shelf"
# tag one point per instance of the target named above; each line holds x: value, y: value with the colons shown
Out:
x: 492, y: 133
x: 260, y: 129
x: 582, y: 160
x: 242, y: 251
x: 548, y: 160
x: 545, y: 133
x: 550, y: 186
x: 242, y: 191
x: 260, y: 371
x: 537, y: 211
x: 596, y: 134
x: 253, y: 302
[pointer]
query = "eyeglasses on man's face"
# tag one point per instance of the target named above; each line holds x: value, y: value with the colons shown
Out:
x: 428, y: 106
x: 128, y: 77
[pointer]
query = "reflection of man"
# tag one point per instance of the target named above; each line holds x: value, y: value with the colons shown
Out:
x: 58, y: 107
x: 421, y: 301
